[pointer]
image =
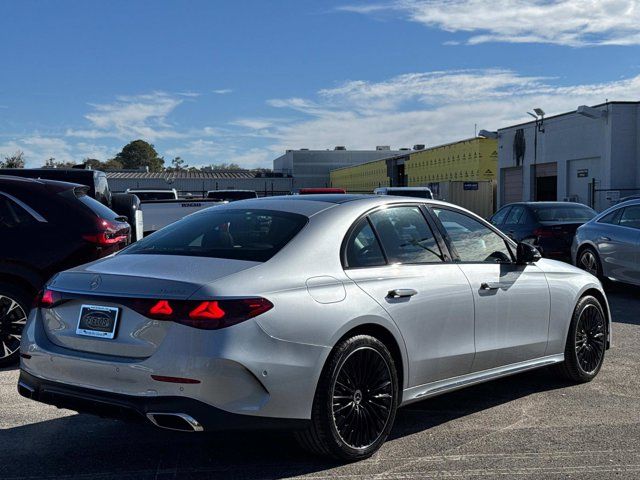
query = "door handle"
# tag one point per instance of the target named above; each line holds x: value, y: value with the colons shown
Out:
x: 490, y: 286
x: 401, y: 293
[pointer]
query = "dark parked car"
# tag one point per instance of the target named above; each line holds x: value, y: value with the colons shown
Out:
x: 46, y: 226
x: 125, y: 204
x: 549, y: 226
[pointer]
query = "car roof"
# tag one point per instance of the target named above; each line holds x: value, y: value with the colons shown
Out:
x: 310, y: 205
x: 26, y: 182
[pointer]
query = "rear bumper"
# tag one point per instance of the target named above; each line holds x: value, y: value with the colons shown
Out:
x: 136, y: 408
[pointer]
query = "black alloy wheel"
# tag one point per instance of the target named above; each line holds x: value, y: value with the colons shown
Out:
x: 586, y: 341
x: 590, y: 339
x: 13, y: 317
x: 355, y: 402
x: 362, y: 398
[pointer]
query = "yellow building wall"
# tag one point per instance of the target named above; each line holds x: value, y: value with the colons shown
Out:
x: 468, y: 160
x: 361, y: 178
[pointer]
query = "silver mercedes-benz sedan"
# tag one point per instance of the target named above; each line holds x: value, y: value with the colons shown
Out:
x: 322, y: 314
x: 608, y: 246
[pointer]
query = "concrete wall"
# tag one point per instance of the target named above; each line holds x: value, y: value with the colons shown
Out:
x: 311, y: 168
x: 260, y: 185
x: 606, y: 149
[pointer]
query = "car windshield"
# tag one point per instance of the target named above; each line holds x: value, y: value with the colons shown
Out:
x: 144, y: 196
x: 231, y: 196
x: 239, y: 234
x: 96, y: 207
x: 563, y: 213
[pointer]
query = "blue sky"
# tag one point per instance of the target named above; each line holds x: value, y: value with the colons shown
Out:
x: 221, y: 81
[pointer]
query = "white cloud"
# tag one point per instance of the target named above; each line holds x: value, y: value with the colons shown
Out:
x: 573, y: 23
x: 253, y: 123
x: 431, y: 108
x: 196, y: 148
x: 143, y: 116
x: 222, y: 91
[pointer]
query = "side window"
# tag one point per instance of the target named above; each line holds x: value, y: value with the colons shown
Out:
x: 363, y: 249
x: 13, y: 215
x: 406, y: 236
x: 631, y: 217
x: 500, y: 215
x: 473, y: 241
x: 517, y: 216
x: 612, y: 218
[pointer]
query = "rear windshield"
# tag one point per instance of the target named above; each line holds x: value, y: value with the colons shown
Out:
x: 96, y: 207
x: 231, y: 196
x: 239, y: 234
x: 411, y: 193
x: 563, y: 213
x: 144, y: 196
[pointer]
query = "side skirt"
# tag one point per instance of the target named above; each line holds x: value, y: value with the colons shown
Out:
x: 415, y: 394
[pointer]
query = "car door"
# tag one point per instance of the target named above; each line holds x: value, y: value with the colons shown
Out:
x: 394, y: 256
x: 619, y: 246
x: 512, y: 301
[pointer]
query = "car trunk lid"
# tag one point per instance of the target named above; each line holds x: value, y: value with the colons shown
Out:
x: 115, y: 282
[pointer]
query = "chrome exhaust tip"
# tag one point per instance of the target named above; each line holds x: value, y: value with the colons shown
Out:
x: 175, y: 421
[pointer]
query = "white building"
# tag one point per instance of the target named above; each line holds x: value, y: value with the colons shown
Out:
x: 310, y: 168
x: 590, y: 155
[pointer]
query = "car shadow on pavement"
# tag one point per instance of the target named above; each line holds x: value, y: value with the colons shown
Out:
x: 429, y: 413
x: 81, y: 445
x: 623, y: 299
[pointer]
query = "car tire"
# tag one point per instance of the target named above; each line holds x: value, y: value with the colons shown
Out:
x: 355, y: 402
x: 586, y: 342
x: 127, y: 204
x: 14, y: 309
x: 589, y: 261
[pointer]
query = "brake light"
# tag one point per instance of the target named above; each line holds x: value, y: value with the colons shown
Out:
x: 207, y: 311
x: 47, y: 299
x: 543, y: 233
x: 161, y: 307
x: 203, y: 314
x: 108, y: 233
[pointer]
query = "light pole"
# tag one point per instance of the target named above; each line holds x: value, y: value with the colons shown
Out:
x: 539, y: 117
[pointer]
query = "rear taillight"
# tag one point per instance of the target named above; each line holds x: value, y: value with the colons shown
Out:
x: 206, y: 314
x: 543, y: 233
x: 109, y: 233
x: 47, y: 299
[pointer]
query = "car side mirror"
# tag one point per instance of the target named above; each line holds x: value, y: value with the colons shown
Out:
x: 526, y: 253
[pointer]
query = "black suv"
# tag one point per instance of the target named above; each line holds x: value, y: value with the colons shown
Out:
x: 46, y: 226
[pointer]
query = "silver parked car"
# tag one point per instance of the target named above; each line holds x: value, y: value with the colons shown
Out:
x: 321, y: 313
x: 608, y: 246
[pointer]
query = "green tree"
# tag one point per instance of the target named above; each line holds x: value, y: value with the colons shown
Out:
x: 52, y: 163
x: 223, y: 166
x: 138, y: 154
x: 113, y: 164
x: 13, y: 161
x: 93, y: 163
x: 178, y: 164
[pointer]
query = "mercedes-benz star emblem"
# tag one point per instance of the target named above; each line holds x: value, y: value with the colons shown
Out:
x: 95, y: 282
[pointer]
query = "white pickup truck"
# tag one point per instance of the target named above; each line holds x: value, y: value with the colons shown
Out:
x: 162, y: 207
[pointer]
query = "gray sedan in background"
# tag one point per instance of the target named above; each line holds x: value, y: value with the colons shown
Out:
x: 608, y: 246
x: 321, y: 313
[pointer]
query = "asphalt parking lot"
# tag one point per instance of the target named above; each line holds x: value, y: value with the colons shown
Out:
x: 526, y: 426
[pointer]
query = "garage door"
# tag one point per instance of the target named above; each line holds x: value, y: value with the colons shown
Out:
x: 511, y: 185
